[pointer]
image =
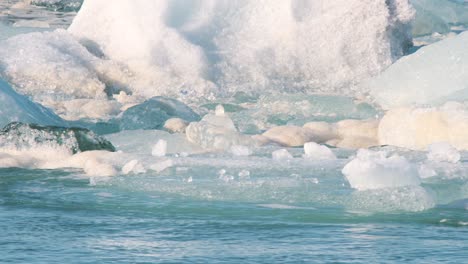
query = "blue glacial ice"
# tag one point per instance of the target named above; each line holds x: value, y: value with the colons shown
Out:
x: 18, y: 108
x: 153, y: 114
x: 433, y: 75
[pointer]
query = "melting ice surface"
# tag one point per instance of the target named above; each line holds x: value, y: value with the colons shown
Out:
x: 245, y: 131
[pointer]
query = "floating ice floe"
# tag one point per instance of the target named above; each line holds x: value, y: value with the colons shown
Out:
x: 315, y: 151
x: 375, y: 170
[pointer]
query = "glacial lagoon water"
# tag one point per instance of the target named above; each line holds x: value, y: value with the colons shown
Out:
x: 184, y: 203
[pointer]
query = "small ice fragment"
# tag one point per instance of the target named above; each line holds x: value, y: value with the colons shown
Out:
x: 133, y: 166
x: 426, y: 171
x: 219, y: 110
x: 162, y: 165
x: 222, y: 172
x: 189, y: 179
x: 281, y: 154
x: 244, y: 174
x: 315, y: 181
x: 315, y: 151
x: 443, y: 152
x: 240, y: 151
x: 176, y: 125
x: 160, y: 149
x: 95, y: 168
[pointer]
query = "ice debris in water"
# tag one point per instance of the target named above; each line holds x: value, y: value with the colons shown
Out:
x: 18, y: 108
x: 137, y: 141
x: 22, y: 136
x: 154, y: 113
x: 443, y: 152
x: 160, y: 149
x: 162, y: 165
x: 282, y: 154
x: 133, y: 166
x: 315, y: 151
x: 375, y: 170
x: 216, y: 132
x: 93, y: 168
x: 241, y: 151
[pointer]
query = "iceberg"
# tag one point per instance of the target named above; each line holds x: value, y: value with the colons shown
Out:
x: 433, y: 75
x: 55, y: 70
x: 438, y: 16
x: 192, y: 47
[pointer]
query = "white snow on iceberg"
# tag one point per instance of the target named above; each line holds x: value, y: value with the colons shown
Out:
x: 186, y: 46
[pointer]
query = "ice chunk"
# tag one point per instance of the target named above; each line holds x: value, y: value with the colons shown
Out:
x: 417, y: 128
x: 433, y: 75
x: 321, y: 131
x: 438, y: 16
x: 153, y: 114
x: 357, y: 134
x: 289, y: 136
x: 241, y: 151
x: 352, y: 134
x: 133, y: 166
x: 216, y: 133
x: 94, y: 168
x: 160, y: 149
x: 21, y: 136
x: 443, y: 152
x: 315, y: 151
x: 175, y: 125
x: 18, y: 108
x: 375, y: 170
x: 247, y: 45
x: 162, y: 165
x: 282, y: 154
